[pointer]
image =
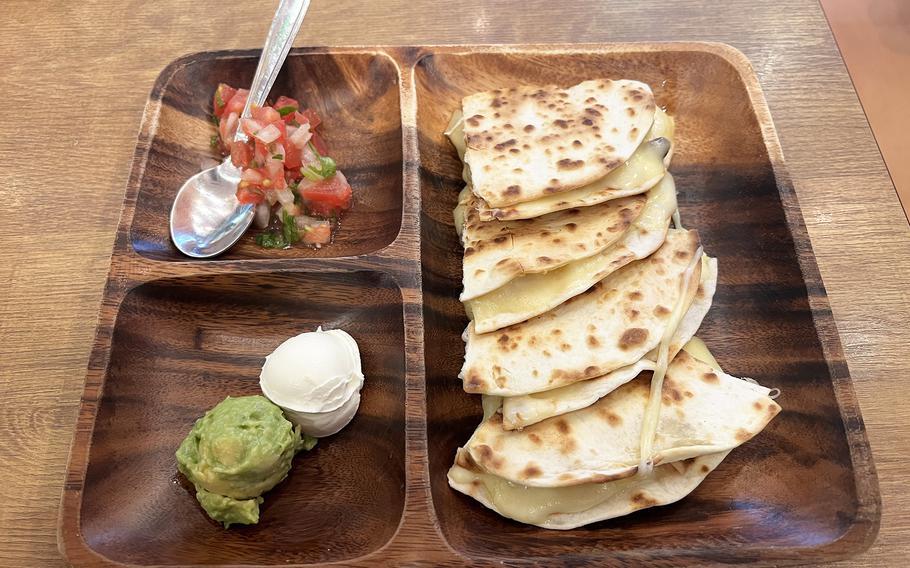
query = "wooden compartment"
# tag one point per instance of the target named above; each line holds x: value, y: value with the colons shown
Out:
x: 179, y: 347
x: 757, y: 504
x: 357, y: 95
x: 177, y: 335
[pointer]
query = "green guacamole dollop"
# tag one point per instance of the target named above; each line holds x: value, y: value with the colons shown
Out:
x: 239, y: 450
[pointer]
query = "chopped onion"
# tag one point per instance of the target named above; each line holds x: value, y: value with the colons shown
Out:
x: 268, y: 134
x: 251, y: 126
x: 300, y: 136
x: 285, y: 196
x: 251, y: 175
x: 309, y: 158
x: 228, y: 129
x: 261, y: 215
x: 275, y: 169
x: 278, y: 150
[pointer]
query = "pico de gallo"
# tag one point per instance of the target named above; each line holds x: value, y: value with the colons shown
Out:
x: 286, y: 172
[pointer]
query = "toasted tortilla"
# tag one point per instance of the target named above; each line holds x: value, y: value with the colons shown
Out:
x: 644, y: 168
x: 530, y: 295
x: 498, y: 252
x: 704, y: 411
x: 524, y: 143
x: 521, y: 411
x: 565, y: 508
x: 611, y: 325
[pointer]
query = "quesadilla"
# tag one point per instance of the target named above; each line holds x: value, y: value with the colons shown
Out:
x: 704, y: 411
x: 521, y: 411
x: 498, y: 252
x: 565, y: 508
x: 611, y: 325
x: 532, y: 294
x: 539, y: 159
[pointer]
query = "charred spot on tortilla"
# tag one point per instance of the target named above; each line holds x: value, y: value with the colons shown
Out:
x: 633, y: 337
x: 710, y: 378
x: 532, y: 470
x: 569, y: 164
x: 643, y: 500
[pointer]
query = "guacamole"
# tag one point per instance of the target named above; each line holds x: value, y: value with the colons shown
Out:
x: 239, y: 450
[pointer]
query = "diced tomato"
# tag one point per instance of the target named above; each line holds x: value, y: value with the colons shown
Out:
x: 237, y: 102
x: 265, y: 115
x: 241, y: 154
x: 292, y: 158
x: 320, y: 144
x: 223, y: 94
x: 318, y: 233
x: 309, y: 115
x: 332, y: 195
x: 284, y: 102
x: 247, y: 195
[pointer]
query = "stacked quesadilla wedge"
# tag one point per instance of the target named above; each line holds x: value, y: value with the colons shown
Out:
x: 581, y: 299
x: 581, y: 467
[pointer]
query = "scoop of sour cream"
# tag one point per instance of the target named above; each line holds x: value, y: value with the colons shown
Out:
x: 315, y: 377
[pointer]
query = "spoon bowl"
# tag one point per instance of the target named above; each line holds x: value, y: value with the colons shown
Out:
x: 206, y: 218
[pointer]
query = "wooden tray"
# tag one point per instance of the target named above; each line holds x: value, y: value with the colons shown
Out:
x: 177, y: 335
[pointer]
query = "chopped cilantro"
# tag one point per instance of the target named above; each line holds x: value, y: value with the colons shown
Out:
x: 271, y: 239
x: 311, y: 174
x: 286, y: 110
x: 328, y: 167
x: 289, y: 228
x: 278, y: 157
x: 215, y: 120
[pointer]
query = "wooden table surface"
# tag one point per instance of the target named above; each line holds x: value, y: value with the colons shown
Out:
x: 75, y: 77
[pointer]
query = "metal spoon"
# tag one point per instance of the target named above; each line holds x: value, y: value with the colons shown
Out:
x: 206, y: 218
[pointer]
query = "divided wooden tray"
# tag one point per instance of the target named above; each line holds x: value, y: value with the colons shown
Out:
x: 177, y: 335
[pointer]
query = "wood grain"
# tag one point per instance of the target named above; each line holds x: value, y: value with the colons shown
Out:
x: 97, y: 62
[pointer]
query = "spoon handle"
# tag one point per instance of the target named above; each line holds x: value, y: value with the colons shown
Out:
x: 278, y: 43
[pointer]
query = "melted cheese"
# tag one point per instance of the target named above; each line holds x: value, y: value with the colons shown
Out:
x: 534, y: 504
x: 491, y: 404
x: 652, y: 410
x: 697, y: 348
x: 533, y: 294
x: 455, y: 132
